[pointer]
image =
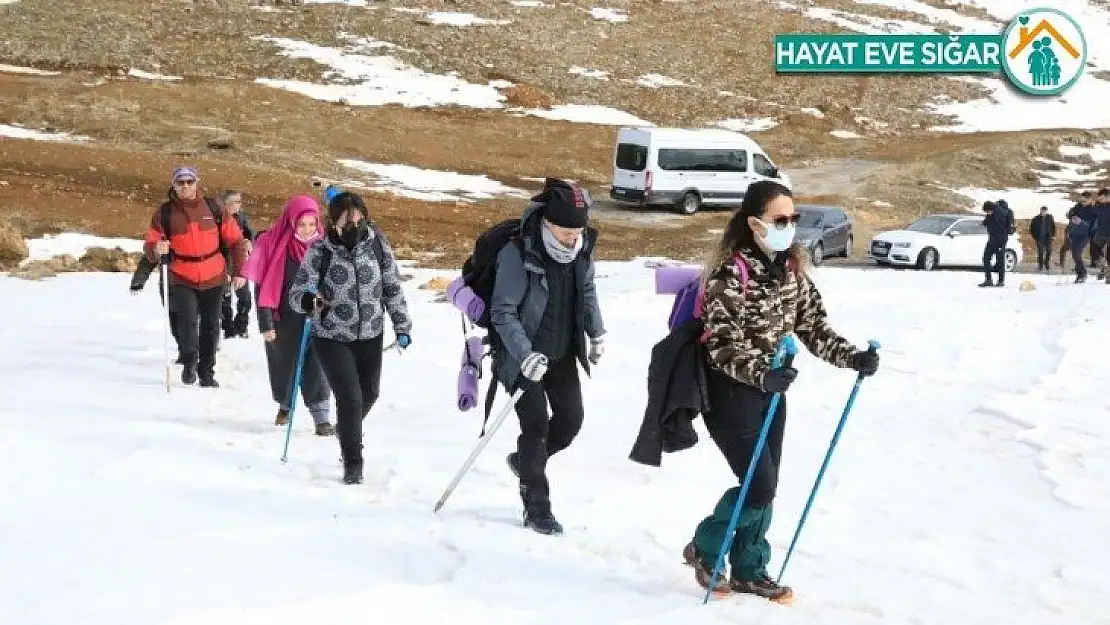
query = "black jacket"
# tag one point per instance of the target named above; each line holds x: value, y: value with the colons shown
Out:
x: 1043, y: 227
x: 677, y: 394
x: 1000, y: 224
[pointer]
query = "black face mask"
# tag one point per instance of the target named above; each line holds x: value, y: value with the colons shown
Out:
x: 352, y: 234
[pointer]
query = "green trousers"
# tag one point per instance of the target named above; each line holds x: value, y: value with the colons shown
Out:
x: 750, y: 552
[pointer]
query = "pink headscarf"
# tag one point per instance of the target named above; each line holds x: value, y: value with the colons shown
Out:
x: 266, y: 264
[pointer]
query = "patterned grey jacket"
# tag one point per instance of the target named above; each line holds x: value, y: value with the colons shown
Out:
x: 362, y: 284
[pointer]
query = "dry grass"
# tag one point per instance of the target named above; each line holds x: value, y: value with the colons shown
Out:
x: 13, y: 248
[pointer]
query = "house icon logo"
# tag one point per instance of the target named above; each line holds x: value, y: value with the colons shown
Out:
x: 1044, y: 51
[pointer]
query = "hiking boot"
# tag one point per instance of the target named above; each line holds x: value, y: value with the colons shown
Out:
x: 325, y: 429
x: 189, y: 374
x: 352, y: 473
x: 208, y: 381
x: 703, y: 573
x: 282, y: 417
x: 766, y: 588
x: 543, y: 522
x: 514, y: 463
x: 986, y: 283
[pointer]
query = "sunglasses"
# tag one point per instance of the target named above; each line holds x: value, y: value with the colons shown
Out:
x: 782, y: 222
x: 184, y: 183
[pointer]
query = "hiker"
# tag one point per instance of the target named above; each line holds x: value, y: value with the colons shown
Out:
x: 1078, y: 235
x: 1100, y: 234
x: 348, y: 281
x: 543, y: 305
x: 271, y: 266
x: 233, y: 326
x: 743, y: 326
x: 1084, y: 208
x: 184, y: 233
x: 1043, y: 229
x: 139, y: 280
x: 1000, y: 225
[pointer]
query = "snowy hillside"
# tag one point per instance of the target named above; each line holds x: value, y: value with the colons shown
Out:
x: 970, y: 485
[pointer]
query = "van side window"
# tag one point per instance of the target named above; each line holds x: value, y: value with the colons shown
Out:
x: 631, y: 157
x: 672, y: 159
x: 762, y: 165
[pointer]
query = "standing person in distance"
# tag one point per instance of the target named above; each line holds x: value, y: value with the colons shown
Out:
x: 543, y: 305
x: 348, y: 281
x: 1000, y: 225
x: 272, y: 266
x: 743, y: 329
x: 235, y: 320
x: 197, y: 270
x: 1100, y: 234
x: 1043, y: 229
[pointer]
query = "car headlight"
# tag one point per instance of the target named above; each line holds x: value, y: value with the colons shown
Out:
x: 902, y: 244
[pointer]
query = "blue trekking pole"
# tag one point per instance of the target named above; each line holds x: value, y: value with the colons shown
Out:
x: 784, y: 357
x: 872, y: 346
x: 296, y: 383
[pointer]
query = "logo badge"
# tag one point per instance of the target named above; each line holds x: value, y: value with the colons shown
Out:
x: 1044, y: 51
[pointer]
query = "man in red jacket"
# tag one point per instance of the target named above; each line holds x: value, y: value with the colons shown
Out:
x: 187, y: 233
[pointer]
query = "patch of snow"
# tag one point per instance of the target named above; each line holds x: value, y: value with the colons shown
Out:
x: 867, y: 121
x: 1098, y: 153
x: 844, y: 134
x: 432, y: 185
x: 15, y: 69
x: 378, y: 80
x: 726, y: 94
x: 1006, y: 109
x: 8, y: 1
x: 361, y: 43
x: 500, y: 83
x: 1025, y: 203
x: 589, y: 114
x: 528, y: 3
x: 75, y: 244
x: 351, y: 3
x: 410, y: 10
x: 882, y: 204
x: 161, y: 508
x: 144, y: 75
x: 19, y: 132
x: 755, y: 124
x: 454, y: 18
x: 598, y: 74
x: 1068, y: 174
x: 609, y: 15
x: 814, y: 112
x: 655, y: 81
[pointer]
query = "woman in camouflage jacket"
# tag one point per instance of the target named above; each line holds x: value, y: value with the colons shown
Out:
x: 743, y: 326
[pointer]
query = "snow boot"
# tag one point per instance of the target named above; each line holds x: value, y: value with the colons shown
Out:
x: 325, y: 429
x: 704, y: 573
x: 543, y: 522
x: 986, y: 283
x: 282, y: 417
x: 209, y: 381
x: 764, y: 587
x: 352, y: 473
x: 514, y: 463
x: 189, y: 374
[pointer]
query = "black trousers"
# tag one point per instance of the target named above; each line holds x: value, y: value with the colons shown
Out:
x: 543, y: 435
x: 198, y: 325
x: 236, y: 320
x: 997, y: 252
x: 1098, y: 248
x: 354, y: 372
x: 734, y: 424
x: 1044, y: 253
x: 1077, y: 257
x: 281, y: 363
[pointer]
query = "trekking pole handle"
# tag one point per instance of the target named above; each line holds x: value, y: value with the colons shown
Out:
x: 873, y: 346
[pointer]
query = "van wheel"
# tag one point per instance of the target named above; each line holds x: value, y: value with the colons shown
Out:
x: 690, y: 203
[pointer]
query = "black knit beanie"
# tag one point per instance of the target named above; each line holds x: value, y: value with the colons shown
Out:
x: 567, y: 206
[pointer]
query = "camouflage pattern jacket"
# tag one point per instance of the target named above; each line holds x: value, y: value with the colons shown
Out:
x: 744, y: 328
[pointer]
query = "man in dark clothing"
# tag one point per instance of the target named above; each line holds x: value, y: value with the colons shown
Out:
x: 232, y: 202
x: 543, y: 303
x: 1000, y: 225
x: 1078, y: 235
x: 1084, y: 209
x: 1100, y: 233
x: 1043, y: 229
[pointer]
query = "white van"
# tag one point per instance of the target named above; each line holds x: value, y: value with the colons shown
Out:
x: 687, y: 168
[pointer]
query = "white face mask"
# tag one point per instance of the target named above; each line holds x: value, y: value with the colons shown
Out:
x: 778, y: 239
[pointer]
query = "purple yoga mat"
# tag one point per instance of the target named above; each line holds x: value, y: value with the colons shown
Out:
x: 469, y: 372
x: 672, y: 279
x: 463, y: 298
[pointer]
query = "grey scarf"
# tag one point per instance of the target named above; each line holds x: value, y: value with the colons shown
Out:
x: 556, y: 250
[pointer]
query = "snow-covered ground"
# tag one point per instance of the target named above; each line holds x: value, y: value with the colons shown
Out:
x: 432, y: 185
x: 8, y: 131
x: 76, y: 244
x: 969, y: 485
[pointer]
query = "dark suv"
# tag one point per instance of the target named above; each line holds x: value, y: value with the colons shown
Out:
x: 824, y: 231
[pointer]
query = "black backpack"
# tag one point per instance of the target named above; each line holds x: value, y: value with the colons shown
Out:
x: 217, y: 216
x: 479, y: 271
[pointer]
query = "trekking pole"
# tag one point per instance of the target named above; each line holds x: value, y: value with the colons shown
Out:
x: 165, y: 280
x: 482, y: 442
x: 872, y: 346
x: 292, y: 403
x: 784, y: 357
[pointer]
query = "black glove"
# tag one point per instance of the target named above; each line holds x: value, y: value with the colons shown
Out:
x: 311, y: 303
x: 866, y: 363
x: 778, y: 380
